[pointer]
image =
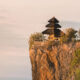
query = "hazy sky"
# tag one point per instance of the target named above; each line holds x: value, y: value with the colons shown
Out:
x: 20, y: 18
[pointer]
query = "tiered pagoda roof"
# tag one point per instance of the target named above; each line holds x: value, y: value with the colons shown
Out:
x: 57, y: 32
x: 53, y: 20
x: 53, y: 28
x: 53, y: 25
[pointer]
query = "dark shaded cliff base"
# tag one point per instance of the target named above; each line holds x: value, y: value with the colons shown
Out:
x: 53, y: 62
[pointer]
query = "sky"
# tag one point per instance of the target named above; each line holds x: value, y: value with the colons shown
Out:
x: 20, y: 18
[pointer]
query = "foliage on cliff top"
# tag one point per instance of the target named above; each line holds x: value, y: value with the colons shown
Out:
x: 35, y: 37
x: 79, y: 32
x: 70, y: 34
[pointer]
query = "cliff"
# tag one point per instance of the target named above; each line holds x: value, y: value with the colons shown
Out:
x: 53, y: 62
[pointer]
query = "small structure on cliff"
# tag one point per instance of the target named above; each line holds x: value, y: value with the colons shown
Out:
x: 53, y: 29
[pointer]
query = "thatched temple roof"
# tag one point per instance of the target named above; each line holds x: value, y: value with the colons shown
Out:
x: 53, y: 20
x: 56, y: 32
x: 53, y: 25
x: 53, y: 28
x: 48, y: 31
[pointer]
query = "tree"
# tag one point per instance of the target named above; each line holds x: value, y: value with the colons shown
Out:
x: 71, y: 34
x: 79, y: 32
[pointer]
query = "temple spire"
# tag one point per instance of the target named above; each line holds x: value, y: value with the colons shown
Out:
x: 53, y: 28
x: 53, y: 20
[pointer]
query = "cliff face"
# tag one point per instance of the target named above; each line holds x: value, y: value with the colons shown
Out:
x: 52, y: 63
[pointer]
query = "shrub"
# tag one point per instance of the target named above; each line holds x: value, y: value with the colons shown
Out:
x: 79, y: 32
x: 77, y: 76
x: 74, y: 67
x: 63, y: 39
x: 70, y: 35
x: 76, y: 61
x: 35, y: 37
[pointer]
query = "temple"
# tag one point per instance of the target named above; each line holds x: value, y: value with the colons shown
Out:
x: 53, y: 29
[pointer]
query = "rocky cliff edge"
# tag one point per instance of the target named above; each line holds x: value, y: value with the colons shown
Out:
x: 52, y: 63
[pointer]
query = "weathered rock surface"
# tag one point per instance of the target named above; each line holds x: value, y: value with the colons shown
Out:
x: 52, y: 64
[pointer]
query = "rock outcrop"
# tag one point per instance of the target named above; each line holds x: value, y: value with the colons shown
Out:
x: 52, y: 63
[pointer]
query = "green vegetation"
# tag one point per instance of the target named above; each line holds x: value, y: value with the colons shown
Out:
x: 64, y: 39
x: 70, y: 35
x: 79, y: 35
x: 35, y: 37
x: 76, y: 61
x: 75, y: 65
x: 77, y: 76
x: 79, y: 32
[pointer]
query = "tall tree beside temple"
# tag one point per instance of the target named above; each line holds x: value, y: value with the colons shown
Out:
x: 53, y: 29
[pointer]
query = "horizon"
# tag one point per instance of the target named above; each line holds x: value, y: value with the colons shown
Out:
x: 18, y: 20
